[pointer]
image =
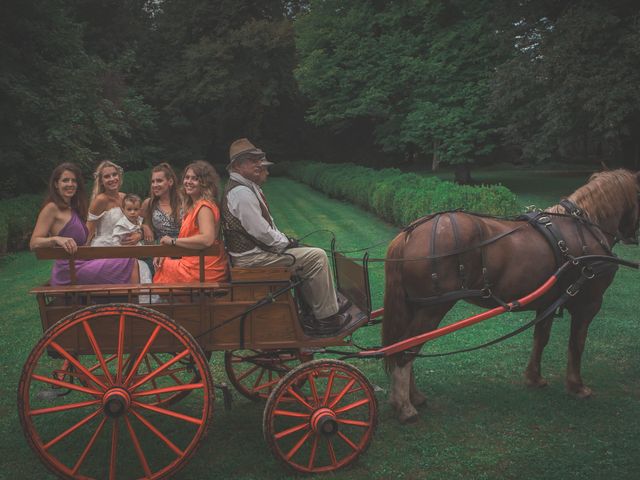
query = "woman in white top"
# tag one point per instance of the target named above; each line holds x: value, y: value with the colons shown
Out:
x: 105, y: 208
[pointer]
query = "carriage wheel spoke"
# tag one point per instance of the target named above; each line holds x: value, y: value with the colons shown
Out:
x: 257, y: 382
x: 120, y: 349
x: 348, y: 441
x: 72, y: 429
x: 67, y: 385
x: 297, y: 396
x: 266, y: 385
x: 138, y: 448
x: 63, y: 408
x: 355, y: 423
x: 160, y: 369
x: 342, y: 393
x: 169, y: 413
x: 171, y: 373
x: 158, y: 434
x: 298, y: 445
x: 248, y: 372
x: 97, y: 351
x: 291, y: 430
x: 314, y: 390
x: 329, y: 387
x: 73, y: 361
x: 287, y: 413
x: 332, y: 453
x: 312, y: 454
x: 86, y: 450
x: 353, y: 405
x: 153, y: 380
x: 174, y: 389
x: 144, y: 351
x: 113, y: 457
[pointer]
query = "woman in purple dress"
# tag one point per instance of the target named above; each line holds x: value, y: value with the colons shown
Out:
x: 61, y: 223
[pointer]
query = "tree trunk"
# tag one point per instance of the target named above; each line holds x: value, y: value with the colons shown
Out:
x: 462, y: 174
x: 435, y: 161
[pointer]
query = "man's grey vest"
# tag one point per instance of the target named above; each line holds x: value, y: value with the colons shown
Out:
x: 236, y: 237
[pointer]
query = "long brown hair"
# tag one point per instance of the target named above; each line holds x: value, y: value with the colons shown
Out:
x: 79, y: 201
x: 98, y: 187
x: 174, y: 198
x: 209, y: 183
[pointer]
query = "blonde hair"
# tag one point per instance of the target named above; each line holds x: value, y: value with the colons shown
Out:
x: 98, y: 187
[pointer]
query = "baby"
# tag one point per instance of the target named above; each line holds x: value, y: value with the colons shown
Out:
x: 131, y: 222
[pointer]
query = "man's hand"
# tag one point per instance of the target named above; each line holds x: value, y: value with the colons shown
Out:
x: 293, y: 242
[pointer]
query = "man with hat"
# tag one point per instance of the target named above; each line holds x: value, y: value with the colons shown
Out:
x: 253, y: 240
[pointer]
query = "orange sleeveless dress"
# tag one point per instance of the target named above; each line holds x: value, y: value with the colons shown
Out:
x: 187, y: 269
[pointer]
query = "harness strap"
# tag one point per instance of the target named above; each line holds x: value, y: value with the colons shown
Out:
x: 588, y: 272
x: 454, y: 229
x: 434, y: 274
x: 485, y: 275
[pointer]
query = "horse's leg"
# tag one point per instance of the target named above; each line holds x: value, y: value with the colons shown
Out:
x: 541, y: 333
x: 399, y: 397
x: 581, y: 317
x: 417, y: 397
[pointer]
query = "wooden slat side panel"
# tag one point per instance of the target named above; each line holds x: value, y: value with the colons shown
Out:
x: 352, y: 281
x: 122, y: 251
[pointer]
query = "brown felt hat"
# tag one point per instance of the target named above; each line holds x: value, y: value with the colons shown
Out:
x: 243, y: 146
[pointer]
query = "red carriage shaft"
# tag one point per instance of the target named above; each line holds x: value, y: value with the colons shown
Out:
x: 425, y: 337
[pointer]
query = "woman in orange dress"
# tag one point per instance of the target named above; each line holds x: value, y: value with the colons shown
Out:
x: 200, y: 229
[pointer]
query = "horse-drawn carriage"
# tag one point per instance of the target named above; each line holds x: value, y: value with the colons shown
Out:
x: 119, y: 385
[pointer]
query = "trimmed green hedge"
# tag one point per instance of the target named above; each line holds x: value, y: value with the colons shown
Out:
x: 18, y: 215
x: 399, y: 197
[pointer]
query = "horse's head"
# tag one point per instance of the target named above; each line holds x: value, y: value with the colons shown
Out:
x: 630, y: 221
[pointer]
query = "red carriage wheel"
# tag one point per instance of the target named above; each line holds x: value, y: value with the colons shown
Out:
x: 321, y: 416
x: 115, y: 421
x: 255, y: 373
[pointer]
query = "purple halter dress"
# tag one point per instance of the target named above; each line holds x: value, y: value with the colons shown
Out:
x: 107, y: 270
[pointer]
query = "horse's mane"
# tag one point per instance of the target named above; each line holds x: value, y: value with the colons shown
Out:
x: 605, y: 195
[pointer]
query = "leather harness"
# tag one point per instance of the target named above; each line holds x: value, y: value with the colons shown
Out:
x: 540, y: 221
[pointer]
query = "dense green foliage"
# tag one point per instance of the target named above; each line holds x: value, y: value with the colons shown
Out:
x: 18, y: 215
x: 61, y: 103
x: 400, y: 197
x: 417, y: 73
x: 457, y: 82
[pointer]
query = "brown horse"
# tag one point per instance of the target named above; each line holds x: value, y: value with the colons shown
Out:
x: 505, y: 259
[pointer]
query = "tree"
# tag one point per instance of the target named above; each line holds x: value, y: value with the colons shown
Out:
x: 224, y: 70
x: 55, y: 101
x: 418, y: 73
x: 571, y: 91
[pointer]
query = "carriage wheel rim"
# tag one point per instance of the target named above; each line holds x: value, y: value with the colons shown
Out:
x: 117, y: 402
x: 256, y: 373
x: 326, y: 422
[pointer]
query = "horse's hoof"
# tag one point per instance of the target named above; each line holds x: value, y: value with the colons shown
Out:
x: 408, y: 418
x: 418, y: 399
x: 538, y: 382
x: 581, y: 392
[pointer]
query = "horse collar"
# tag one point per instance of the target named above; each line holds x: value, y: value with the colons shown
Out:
x: 571, y: 208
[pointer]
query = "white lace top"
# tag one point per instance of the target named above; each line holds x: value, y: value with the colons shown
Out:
x: 105, y: 223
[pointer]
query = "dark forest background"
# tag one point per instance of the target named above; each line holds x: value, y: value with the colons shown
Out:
x: 419, y: 84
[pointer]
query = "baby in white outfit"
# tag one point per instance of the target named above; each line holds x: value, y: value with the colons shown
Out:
x: 131, y: 223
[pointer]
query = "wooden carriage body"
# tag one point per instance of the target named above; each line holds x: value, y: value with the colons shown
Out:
x: 220, y: 316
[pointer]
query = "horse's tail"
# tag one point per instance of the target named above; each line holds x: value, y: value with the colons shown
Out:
x: 396, y: 310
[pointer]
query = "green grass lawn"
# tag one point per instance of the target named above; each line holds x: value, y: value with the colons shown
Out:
x: 480, y: 420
